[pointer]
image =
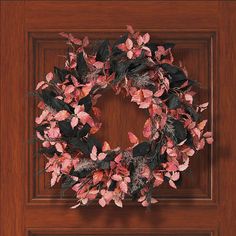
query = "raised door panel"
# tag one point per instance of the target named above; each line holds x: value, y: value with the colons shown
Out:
x: 195, y: 50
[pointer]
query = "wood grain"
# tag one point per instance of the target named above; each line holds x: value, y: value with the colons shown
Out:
x: 13, y: 97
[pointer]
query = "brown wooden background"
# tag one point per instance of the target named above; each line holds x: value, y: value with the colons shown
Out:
x: 204, y: 33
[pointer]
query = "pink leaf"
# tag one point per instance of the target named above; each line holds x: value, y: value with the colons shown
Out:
x: 204, y: 105
x: 171, y: 166
x: 59, y: 147
x: 49, y: 76
x: 129, y: 43
x: 69, y: 89
x: 102, y: 202
x: 130, y: 54
x: 40, y: 84
x: 101, y: 156
x: 85, y: 41
x: 189, y: 98
x: 75, y: 81
x: 145, y: 203
x: 62, y: 115
x: 74, y: 121
x: 140, y: 40
x: 159, y: 92
x: 146, y: 38
x: 54, y: 133
x: 175, y: 176
x: 130, y: 29
x: 146, y: 103
x: 184, y: 166
x: 84, y: 201
x: 86, y: 89
x: 158, y: 179
x: 132, y: 138
x: 53, y: 179
x: 75, y: 206
x: 153, y: 200
x: 123, y: 187
x: 97, y: 177
x: 39, y: 136
x: 172, y: 184
x: 122, y: 47
x: 118, y: 158
x: 209, y: 140
x: 202, y: 124
x: 181, y: 143
x: 85, y: 118
x: 190, y: 152
x: 147, y: 93
x: 147, y: 129
x: 78, y: 109
x: 99, y: 64
x: 118, y: 203
x: 207, y: 135
x: 116, y: 177
x: 93, y: 154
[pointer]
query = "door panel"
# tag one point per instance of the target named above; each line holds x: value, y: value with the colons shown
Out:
x: 204, y: 34
x: 192, y: 49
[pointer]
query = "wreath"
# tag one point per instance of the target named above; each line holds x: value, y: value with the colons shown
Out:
x: 144, y: 72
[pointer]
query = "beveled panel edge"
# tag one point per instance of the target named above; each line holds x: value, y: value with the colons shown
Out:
x: 121, y: 231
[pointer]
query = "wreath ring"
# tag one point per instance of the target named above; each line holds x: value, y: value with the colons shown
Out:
x: 143, y: 71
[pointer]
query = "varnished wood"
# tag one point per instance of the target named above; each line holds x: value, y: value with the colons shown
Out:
x: 205, y: 205
x: 192, y: 49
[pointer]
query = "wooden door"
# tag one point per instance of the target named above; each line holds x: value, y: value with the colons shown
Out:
x: 204, y: 33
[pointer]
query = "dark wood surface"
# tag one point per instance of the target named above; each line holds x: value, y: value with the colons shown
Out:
x: 205, y: 35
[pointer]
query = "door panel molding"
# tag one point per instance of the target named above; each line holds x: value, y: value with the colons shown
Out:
x: 196, y: 47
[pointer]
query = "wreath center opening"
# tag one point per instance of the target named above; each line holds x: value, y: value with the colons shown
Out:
x: 119, y: 116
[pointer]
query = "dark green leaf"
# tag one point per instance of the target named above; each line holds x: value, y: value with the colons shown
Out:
x: 41, y: 128
x: 87, y: 102
x: 112, y: 186
x: 152, y: 47
x: 168, y: 45
x: 103, y: 51
x: 66, y: 129
x: 49, y: 98
x: 61, y: 74
x: 141, y: 149
x: 68, y: 183
x: 121, y: 39
x: 180, y: 131
x: 81, y: 67
x: 104, y: 165
x: 76, y: 143
x: 92, y: 141
x: 173, y: 101
x: 82, y: 173
x: 191, y: 112
x: 84, y: 131
x: 49, y: 151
